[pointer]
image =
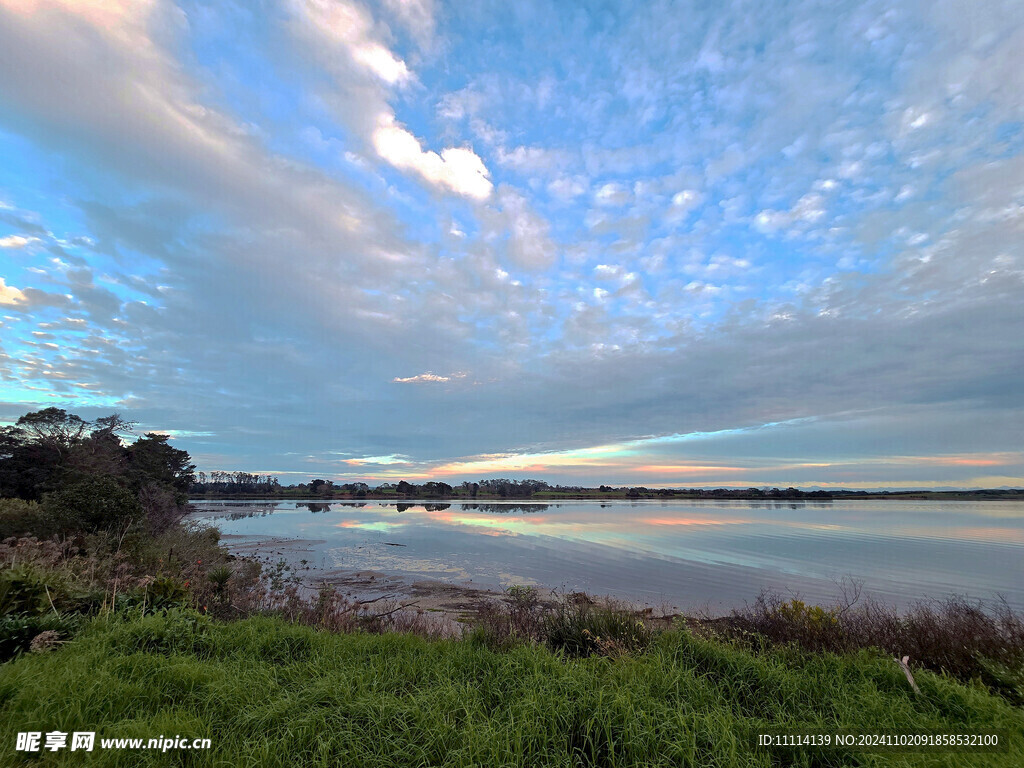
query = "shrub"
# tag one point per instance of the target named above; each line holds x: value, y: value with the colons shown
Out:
x: 96, y: 503
x: 24, y: 518
x: 34, y: 588
x: 161, y: 506
x: 584, y: 629
x: 575, y: 625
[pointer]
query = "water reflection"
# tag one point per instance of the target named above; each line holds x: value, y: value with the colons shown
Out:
x: 504, y: 509
x: 719, y: 552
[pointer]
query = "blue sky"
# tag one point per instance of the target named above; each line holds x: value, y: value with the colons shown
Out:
x: 652, y: 243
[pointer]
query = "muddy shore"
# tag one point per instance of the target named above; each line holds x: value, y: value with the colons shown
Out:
x: 444, y: 599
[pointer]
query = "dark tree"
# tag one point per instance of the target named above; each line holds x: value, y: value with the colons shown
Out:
x: 54, y: 429
x: 153, y: 459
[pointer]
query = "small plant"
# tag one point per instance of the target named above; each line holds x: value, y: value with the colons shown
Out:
x: 46, y: 640
x: 280, y: 575
x: 219, y: 578
x: 812, y: 620
x: 160, y: 594
x: 525, y: 612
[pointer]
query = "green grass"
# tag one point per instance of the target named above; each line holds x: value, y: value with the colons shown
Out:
x: 270, y: 693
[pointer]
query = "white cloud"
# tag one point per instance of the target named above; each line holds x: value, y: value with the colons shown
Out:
x: 612, y: 194
x: 458, y: 168
x: 567, y: 188
x: 532, y: 159
x: 17, y: 241
x: 352, y: 27
x: 10, y: 296
x: 428, y: 377
x: 123, y: 20
x: 381, y: 62
x: 683, y: 202
x: 391, y: 458
x: 417, y: 16
x: 808, y: 210
x: 530, y: 244
x: 685, y: 199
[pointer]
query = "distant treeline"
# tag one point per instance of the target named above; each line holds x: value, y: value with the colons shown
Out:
x: 244, y: 483
x: 215, y: 484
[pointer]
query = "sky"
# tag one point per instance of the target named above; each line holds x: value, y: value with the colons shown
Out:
x: 661, y: 244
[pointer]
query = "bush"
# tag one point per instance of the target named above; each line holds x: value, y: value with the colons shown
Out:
x: 33, y: 588
x: 162, y: 507
x: 93, y: 504
x: 584, y: 629
x: 24, y: 518
x: 575, y: 626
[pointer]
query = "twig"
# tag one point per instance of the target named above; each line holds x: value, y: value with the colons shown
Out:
x: 906, y: 671
x: 393, y: 610
x: 374, y: 600
x: 50, y: 599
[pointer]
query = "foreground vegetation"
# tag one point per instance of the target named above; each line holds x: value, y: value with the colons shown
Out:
x: 117, y: 617
x: 269, y: 693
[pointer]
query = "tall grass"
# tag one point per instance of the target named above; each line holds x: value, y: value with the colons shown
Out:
x: 963, y: 638
x: 270, y: 693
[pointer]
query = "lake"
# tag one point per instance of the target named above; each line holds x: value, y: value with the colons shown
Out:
x: 688, y: 555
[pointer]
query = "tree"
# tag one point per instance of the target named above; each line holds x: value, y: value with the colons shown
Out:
x: 24, y: 472
x: 53, y: 430
x: 153, y: 459
x: 435, y: 488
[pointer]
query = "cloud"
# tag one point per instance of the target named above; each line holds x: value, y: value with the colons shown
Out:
x: 418, y: 17
x: 378, y: 460
x: 617, y: 274
x: 683, y: 202
x: 351, y: 27
x: 568, y: 188
x: 17, y: 241
x: 612, y: 194
x: 808, y: 210
x: 428, y: 378
x: 11, y: 296
x: 458, y: 169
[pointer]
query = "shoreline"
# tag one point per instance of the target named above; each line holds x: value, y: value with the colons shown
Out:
x: 448, y: 600
x: 1012, y: 494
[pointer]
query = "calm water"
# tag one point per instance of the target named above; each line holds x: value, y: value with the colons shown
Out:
x: 683, y: 554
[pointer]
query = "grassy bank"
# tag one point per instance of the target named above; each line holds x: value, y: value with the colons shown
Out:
x: 271, y: 693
